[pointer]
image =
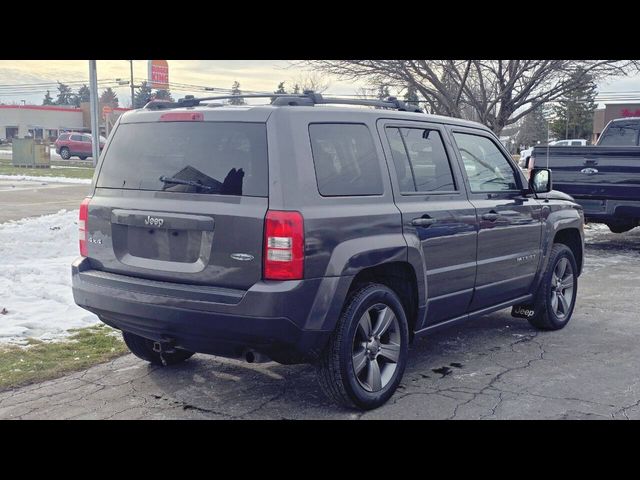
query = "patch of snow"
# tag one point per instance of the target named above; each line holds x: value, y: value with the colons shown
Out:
x: 67, y: 166
x: 45, y: 180
x: 35, y: 278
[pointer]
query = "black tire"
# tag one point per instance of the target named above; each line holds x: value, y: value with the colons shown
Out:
x: 143, y: 348
x: 65, y: 153
x: 620, y: 227
x: 548, y: 315
x: 82, y: 157
x: 335, y: 370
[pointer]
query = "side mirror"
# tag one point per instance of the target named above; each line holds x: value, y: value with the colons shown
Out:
x: 540, y: 180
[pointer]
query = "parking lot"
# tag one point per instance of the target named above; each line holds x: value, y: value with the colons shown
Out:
x: 20, y: 199
x: 495, y: 367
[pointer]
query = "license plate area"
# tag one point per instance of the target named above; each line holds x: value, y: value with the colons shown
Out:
x: 162, y: 241
x: 165, y: 244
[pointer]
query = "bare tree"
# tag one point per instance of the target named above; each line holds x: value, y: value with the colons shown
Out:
x: 312, y: 81
x: 488, y: 91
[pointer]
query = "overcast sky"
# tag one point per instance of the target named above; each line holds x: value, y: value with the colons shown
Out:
x: 257, y: 75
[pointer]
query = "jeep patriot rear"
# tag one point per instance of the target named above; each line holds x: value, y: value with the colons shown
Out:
x: 304, y: 233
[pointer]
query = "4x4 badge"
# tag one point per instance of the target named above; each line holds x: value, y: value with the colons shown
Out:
x: 243, y: 257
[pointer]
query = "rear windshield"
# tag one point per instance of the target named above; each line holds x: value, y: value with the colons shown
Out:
x: 226, y: 158
x: 620, y: 136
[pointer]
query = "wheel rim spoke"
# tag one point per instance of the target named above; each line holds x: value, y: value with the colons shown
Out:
x: 359, y: 360
x: 567, y: 282
x: 365, y: 324
x: 374, y: 377
x: 390, y: 351
x: 562, y: 266
x: 385, y: 318
x: 563, y: 302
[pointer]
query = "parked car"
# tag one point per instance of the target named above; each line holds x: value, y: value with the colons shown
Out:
x: 525, y: 154
x: 71, y: 144
x: 605, y: 178
x: 572, y: 142
x: 303, y: 233
x: 524, y: 157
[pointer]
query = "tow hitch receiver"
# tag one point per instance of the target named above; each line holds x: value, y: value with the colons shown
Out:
x: 164, y: 346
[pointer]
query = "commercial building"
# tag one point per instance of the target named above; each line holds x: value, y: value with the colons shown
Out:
x: 610, y: 112
x: 46, y: 122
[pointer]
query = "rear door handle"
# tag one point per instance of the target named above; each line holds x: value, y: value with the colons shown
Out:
x: 491, y: 216
x: 423, y: 222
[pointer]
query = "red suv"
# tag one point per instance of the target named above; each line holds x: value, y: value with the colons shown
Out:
x: 72, y: 144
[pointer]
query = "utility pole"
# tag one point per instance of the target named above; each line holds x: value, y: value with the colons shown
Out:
x: 132, y: 87
x: 95, y: 119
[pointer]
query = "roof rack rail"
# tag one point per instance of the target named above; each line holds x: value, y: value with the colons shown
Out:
x: 307, y: 98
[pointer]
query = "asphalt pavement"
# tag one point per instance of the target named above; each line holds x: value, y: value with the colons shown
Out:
x: 497, y: 367
x: 21, y: 198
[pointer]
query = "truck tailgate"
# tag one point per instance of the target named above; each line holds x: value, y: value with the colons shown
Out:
x: 593, y: 172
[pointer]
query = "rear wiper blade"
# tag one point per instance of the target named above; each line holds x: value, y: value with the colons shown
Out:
x: 179, y: 181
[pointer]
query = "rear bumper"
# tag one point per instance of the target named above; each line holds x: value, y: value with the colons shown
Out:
x: 289, y: 321
x: 610, y: 211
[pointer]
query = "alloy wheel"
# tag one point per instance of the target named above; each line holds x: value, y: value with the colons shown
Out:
x: 376, y: 347
x: 562, y: 288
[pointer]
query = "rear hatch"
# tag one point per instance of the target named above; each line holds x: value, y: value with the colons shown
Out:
x: 594, y: 172
x: 182, y: 201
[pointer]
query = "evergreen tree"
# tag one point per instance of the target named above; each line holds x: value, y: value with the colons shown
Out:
x: 48, y: 100
x: 574, y: 112
x: 411, y: 96
x: 534, y: 128
x: 162, y: 94
x: 142, y: 96
x: 280, y: 90
x: 83, y: 95
x: 109, y: 97
x: 65, y: 95
x: 383, y: 92
x: 235, y: 90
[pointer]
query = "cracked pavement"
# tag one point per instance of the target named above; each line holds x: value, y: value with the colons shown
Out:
x: 497, y: 367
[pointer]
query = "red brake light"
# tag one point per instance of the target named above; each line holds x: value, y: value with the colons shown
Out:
x: 283, y: 245
x: 83, y: 226
x: 182, y: 117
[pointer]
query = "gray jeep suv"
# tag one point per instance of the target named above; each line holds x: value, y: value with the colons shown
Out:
x: 305, y: 233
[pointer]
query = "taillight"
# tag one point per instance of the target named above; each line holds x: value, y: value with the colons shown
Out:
x: 182, y: 117
x: 283, y: 245
x: 83, y: 226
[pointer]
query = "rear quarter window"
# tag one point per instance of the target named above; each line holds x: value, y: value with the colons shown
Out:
x: 345, y: 160
x: 226, y: 158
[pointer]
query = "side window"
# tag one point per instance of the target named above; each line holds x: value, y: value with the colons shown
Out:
x: 420, y: 160
x: 345, y: 160
x: 487, y: 168
x: 76, y: 138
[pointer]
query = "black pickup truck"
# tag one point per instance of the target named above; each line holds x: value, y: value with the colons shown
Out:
x: 603, y: 178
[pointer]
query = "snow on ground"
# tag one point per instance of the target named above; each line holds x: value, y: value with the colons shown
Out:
x: 35, y: 278
x: 46, y: 180
x: 604, y: 248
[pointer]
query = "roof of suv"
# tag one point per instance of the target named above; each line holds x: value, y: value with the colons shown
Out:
x: 261, y: 113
